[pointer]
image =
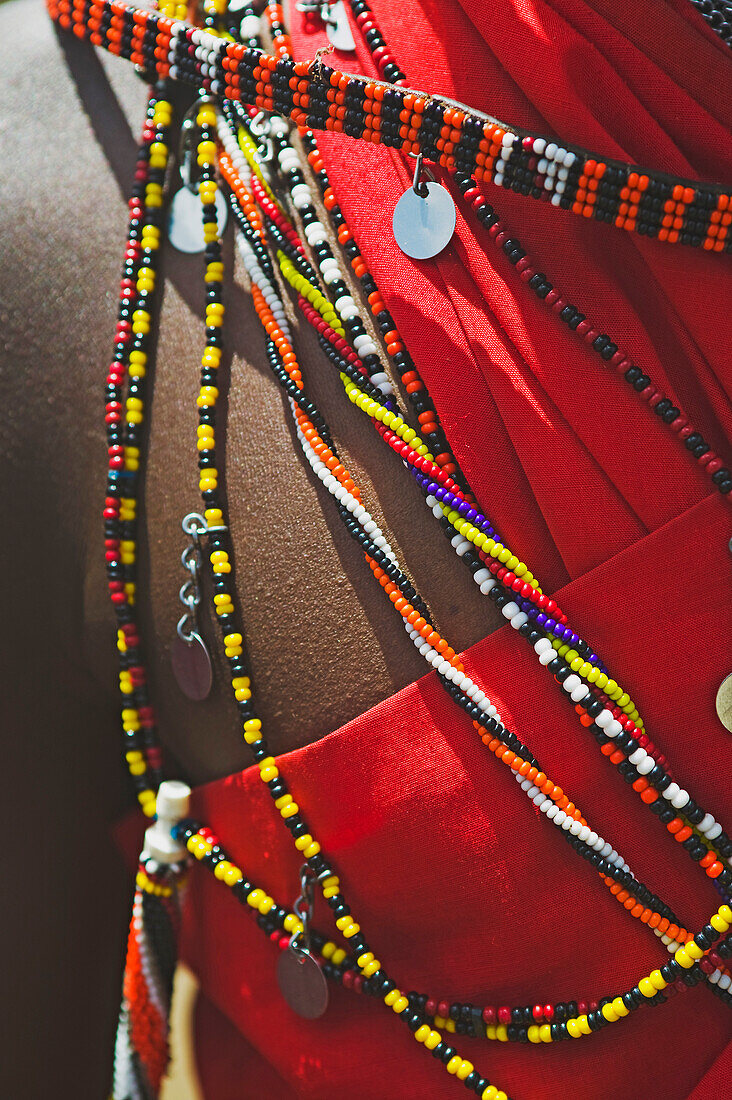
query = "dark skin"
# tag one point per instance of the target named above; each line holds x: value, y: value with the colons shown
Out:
x: 323, y: 643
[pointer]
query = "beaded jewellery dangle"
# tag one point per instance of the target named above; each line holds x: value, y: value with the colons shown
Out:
x: 266, y: 170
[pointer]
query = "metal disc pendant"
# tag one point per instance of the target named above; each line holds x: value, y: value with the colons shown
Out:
x: 724, y: 702
x: 192, y: 666
x: 424, y: 226
x: 302, y: 983
x: 338, y: 28
x: 185, y: 224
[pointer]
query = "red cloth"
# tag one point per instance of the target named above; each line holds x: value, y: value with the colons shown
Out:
x: 458, y: 889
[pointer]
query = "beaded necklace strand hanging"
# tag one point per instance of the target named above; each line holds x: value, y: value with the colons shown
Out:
x: 271, y: 292
x: 214, y: 315
x: 642, y: 786
x: 203, y: 850
x: 133, y: 409
x: 268, y: 770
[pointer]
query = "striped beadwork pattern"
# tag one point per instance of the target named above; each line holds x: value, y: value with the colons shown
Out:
x: 316, y: 96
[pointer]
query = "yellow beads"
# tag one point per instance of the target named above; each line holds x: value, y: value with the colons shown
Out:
x: 252, y: 730
x: 331, y: 886
x: 311, y: 293
x: 718, y: 924
x: 146, y: 884
x: 287, y: 806
x: 683, y: 958
x: 219, y: 560
x: 396, y: 1001
x: 233, y: 645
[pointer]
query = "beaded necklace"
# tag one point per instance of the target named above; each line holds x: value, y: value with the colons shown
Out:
x: 233, y: 644
x: 640, y: 758
x: 447, y: 134
x: 379, y: 554
x: 204, y: 847
x: 645, y: 768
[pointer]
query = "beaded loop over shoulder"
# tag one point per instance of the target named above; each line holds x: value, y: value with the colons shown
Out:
x: 457, y: 138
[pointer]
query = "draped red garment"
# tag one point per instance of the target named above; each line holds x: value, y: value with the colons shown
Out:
x: 459, y: 887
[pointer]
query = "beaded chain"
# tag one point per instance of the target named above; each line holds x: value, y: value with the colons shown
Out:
x: 455, y: 137
x: 223, y: 601
x: 642, y: 757
x: 123, y: 419
x: 506, y: 580
x: 686, y: 835
x: 224, y: 605
x: 503, y: 1023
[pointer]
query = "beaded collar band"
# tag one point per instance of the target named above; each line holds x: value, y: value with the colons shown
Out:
x: 455, y: 137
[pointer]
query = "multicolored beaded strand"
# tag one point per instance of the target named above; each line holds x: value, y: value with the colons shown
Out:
x: 223, y: 599
x: 503, y: 1023
x: 638, y: 751
x: 238, y: 637
x: 455, y: 137
x: 141, y: 47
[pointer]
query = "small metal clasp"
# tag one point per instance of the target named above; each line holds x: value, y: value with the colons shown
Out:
x: 418, y: 184
x: 303, y: 909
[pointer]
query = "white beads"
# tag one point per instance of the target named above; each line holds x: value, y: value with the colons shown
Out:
x: 680, y: 800
x: 288, y: 160
x: 250, y: 26
x: 315, y: 233
x: 364, y: 346
x: 301, y: 195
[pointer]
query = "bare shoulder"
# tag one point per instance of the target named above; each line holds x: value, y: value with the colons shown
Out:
x: 323, y: 645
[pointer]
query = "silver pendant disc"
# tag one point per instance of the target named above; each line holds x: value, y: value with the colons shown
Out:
x: 302, y: 984
x: 338, y: 29
x: 724, y: 702
x: 192, y: 666
x: 424, y: 226
x: 185, y: 224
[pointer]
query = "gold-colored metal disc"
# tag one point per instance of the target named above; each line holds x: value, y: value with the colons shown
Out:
x: 724, y: 702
